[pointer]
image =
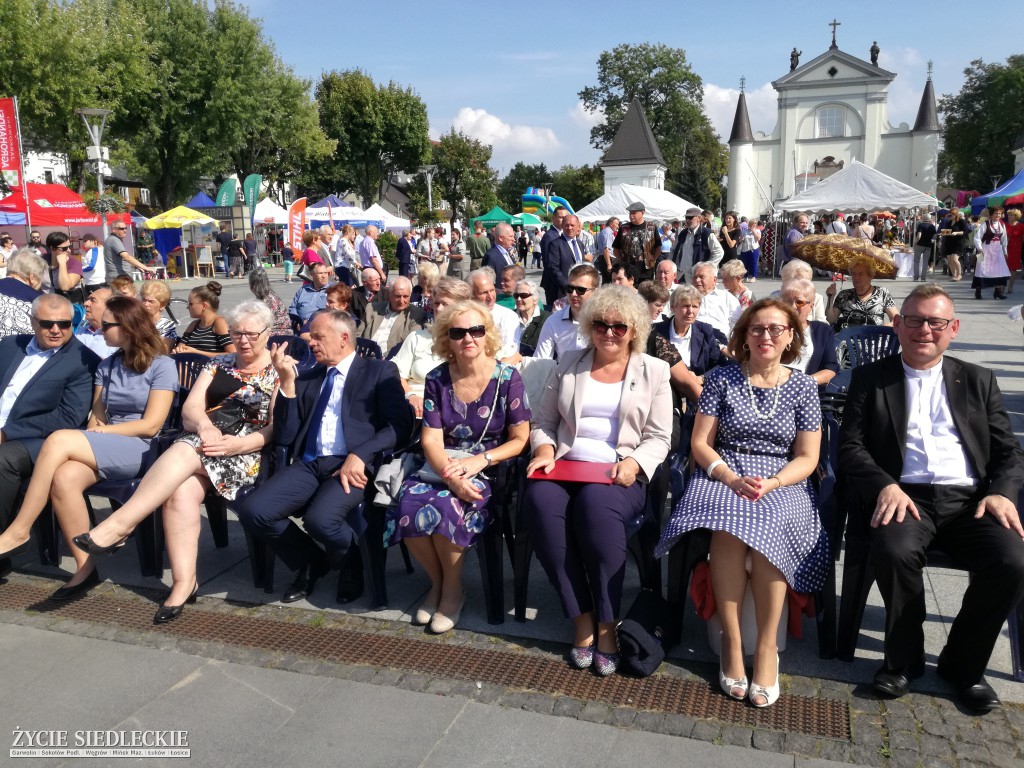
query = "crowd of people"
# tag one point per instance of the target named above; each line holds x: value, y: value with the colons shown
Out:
x: 651, y: 349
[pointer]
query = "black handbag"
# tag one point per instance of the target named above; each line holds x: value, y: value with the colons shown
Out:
x: 647, y: 633
x: 229, y: 416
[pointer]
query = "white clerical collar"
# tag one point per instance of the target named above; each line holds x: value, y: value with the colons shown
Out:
x: 928, y: 373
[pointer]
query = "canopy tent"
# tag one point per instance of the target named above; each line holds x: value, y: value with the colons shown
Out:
x: 528, y: 219
x: 137, y: 218
x: 493, y: 217
x: 178, y: 218
x: 269, y: 212
x: 51, y: 205
x: 1010, y: 193
x: 661, y: 205
x: 380, y: 216
x: 201, y: 200
x: 857, y: 188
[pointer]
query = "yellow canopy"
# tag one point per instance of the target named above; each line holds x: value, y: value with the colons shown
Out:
x: 177, y: 218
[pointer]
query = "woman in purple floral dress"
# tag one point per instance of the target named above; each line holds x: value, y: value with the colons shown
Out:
x: 476, y: 405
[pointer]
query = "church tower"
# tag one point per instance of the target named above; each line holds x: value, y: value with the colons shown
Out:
x: 634, y: 156
x: 741, y: 142
x: 925, y: 153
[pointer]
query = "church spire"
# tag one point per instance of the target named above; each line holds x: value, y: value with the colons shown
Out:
x: 927, y: 114
x: 741, y: 132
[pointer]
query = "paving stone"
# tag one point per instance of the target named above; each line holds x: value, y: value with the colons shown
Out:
x: 595, y: 712
x: 769, y: 741
x: 861, y: 755
x: 833, y: 750
x: 898, y: 707
x: 737, y: 735
x: 801, y: 744
x: 441, y: 686
x: 679, y: 725
x: 487, y: 693
x: 463, y: 688
x: 904, y: 758
x: 645, y: 721
x: 624, y: 717
x: 387, y: 677
x: 1000, y: 761
x: 970, y: 733
x: 802, y: 686
x: 901, y: 722
x: 414, y: 682
x: 939, y: 728
x: 935, y: 746
x: 513, y: 699
x: 902, y: 740
x: 705, y: 731
x: 566, y: 707
x: 539, y: 702
x: 362, y: 674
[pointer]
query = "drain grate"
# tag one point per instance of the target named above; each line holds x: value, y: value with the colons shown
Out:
x: 821, y: 718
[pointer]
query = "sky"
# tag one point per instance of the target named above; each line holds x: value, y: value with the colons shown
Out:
x: 508, y: 74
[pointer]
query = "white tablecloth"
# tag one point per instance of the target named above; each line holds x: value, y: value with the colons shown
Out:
x: 904, y: 263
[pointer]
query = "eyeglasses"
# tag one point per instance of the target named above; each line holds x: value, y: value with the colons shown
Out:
x: 602, y: 328
x: 934, y: 323
x: 62, y: 247
x: 250, y: 335
x: 757, y: 331
x: 798, y: 303
x: 523, y: 296
x: 458, y: 334
x: 48, y: 324
x: 107, y: 326
x: 579, y: 290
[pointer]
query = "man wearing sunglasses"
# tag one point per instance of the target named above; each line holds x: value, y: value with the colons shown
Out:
x: 45, y: 385
x: 115, y: 253
x: 65, y: 269
x: 91, y: 334
x: 560, y: 334
x: 928, y: 454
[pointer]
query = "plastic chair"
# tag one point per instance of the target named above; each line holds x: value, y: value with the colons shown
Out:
x: 297, y: 348
x: 862, y: 344
x: 368, y: 348
x: 393, y: 351
x: 526, y: 350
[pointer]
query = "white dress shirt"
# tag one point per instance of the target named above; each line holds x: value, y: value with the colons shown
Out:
x: 720, y: 309
x: 559, y: 336
x: 681, y: 343
x: 507, y: 323
x: 331, y: 439
x: 934, y: 453
x: 35, y: 358
x: 95, y: 341
x: 384, y: 330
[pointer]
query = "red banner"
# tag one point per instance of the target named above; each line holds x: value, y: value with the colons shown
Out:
x: 297, y: 223
x: 10, y: 145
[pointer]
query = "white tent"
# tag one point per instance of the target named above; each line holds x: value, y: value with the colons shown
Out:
x: 661, y: 205
x: 269, y: 212
x: 338, y: 215
x: 857, y: 188
x: 376, y: 213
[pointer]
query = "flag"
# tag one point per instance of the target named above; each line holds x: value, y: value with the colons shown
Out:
x: 227, y: 196
x: 10, y: 151
x: 251, y: 190
x: 297, y: 223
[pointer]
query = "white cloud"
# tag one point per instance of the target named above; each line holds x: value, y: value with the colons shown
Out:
x: 491, y: 129
x: 720, y: 106
x: 905, y: 91
x: 581, y: 116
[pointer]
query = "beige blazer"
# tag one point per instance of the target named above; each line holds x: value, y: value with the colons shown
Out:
x: 411, y: 319
x: 645, y: 411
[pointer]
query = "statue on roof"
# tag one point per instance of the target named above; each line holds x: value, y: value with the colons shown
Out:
x: 874, y: 53
x: 794, y: 59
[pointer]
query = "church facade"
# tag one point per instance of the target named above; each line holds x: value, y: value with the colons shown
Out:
x: 832, y: 110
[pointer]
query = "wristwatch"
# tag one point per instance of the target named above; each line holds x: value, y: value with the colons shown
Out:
x: 487, y: 456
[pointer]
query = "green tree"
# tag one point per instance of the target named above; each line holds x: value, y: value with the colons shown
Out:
x: 982, y: 124
x: 464, y: 179
x: 379, y: 131
x: 579, y: 185
x: 510, y: 190
x: 672, y: 97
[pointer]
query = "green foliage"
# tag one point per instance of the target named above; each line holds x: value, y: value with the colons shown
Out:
x: 379, y: 131
x: 464, y: 178
x: 982, y: 124
x: 387, y: 244
x: 672, y: 97
x: 108, y: 202
x: 580, y: 185
x: 510, y: 190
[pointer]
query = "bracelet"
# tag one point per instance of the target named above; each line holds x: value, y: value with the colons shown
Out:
x: 777, y: 478
x: 713, y: 466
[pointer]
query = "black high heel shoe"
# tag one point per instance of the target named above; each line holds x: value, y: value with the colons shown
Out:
x: 166, y: 613
x: 85, y: 543
x: 69, y: 593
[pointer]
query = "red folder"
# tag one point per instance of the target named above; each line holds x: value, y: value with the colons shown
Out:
x: 566, y: 471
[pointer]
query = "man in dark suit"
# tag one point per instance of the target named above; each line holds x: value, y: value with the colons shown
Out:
x: 564, y: 253
x: 554, y: 231
x: 502, y: 254
x: 369, y: 292
x: 45, y: 385
x: 928, y: 449
x: 335, y: 419
x: 403, y: 251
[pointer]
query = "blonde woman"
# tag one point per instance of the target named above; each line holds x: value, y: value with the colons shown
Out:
x: 731, y: 274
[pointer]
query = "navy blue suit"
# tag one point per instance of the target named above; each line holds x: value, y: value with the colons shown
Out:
x: 545, y: 242
x: 404, y: 254
x: 375, y: 418
x: 59, y: 396
x: 496, y: 261
x: 705, y: 353
x: 823, y: 356
x: 559, y: 261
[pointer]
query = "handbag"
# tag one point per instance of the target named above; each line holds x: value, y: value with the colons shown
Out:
x: 647, y: 633
x: 427, y: 473
x: 229, y: 416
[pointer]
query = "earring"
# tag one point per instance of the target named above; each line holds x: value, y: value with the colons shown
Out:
x: 746, y: 347
x: 789, y: 346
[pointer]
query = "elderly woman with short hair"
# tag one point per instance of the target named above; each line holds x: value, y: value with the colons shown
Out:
x: 259, y: 284
x: 155, y: 295
x: 731, y: 274
x: 26, y: 271
x: 864, y: 303
x: 798, y: 268
x: 203, y: 459
x: 531, y: 315
x: 426, y: 280
x: 656, y: 295
x: 608, y: 404
x: 818, y: 352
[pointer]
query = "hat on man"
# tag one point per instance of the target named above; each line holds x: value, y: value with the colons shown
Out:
x: 634, y: 207
x: 692, y: 212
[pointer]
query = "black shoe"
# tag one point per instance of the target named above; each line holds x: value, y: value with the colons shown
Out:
x: 6, y: 566
x: 86, y: 544
x: 896, y: 682
x: 999, y: 295
x: 977, y: 293
x: 978, y: 696
x: 305, y: 581
x: 67, y: 593
x: 166, y: 613
x: 350, y: 583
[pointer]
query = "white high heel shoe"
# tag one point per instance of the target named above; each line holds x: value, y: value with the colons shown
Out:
x: 769, y: 694
x: 730, y: 686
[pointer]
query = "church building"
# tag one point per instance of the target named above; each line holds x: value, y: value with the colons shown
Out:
x: 832, y: 110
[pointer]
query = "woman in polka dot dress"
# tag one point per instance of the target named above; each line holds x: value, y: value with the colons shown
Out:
x: 756, y: 441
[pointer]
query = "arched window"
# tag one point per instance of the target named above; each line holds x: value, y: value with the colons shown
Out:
x: 830, y: 122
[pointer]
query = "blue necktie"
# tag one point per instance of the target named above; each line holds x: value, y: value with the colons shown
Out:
x: 309, y: 454
x: 576, y: 251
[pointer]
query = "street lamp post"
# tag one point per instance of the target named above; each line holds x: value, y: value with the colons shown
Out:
x: 97, y: 152
x: 995, y: 181
x: 429, y: 171
x: 548, y: 185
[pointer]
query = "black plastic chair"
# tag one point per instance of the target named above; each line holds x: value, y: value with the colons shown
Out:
x: 862, y: 344
x: 368, y: 348
x: 298, y: 348
x: 526, y: 350
x: 393, y: 351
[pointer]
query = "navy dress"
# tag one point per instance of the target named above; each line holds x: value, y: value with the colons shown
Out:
x: 782, y: 525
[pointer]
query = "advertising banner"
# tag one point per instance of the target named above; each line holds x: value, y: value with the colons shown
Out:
x: 297, y: 223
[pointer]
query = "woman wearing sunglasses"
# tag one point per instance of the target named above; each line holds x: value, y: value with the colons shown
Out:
x: 474, y: 405
x: 818, y: 352
x: 133, y: 393
x: 755, y: 441
x: 611, y: 404
x: 531, y: 316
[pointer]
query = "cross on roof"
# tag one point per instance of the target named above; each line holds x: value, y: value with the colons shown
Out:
x: 930, y: 69
x: 834, y: 24
x: 743, y: 83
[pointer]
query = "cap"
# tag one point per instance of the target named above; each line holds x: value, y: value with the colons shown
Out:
x: 690, y: 212
x: 634, y: 207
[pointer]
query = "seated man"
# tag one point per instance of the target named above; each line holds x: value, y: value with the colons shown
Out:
x: 718, y: 307
x: 367, y: 293
x: 91, y: 334
x: 481, y: 282
x: 389, y: 322
x: 510, y: 277
x: 311, y: 297
x: 335, y: 418
x: 45, y: 384
x: 560, y: 333
x: 928, y: 447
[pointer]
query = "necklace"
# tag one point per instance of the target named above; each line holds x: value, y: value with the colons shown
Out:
x: 753, y: 400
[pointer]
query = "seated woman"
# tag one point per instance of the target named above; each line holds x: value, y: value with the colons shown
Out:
x: 795, y: 269
x: 731, y: 274
x: 818, y: 349
x: 756, y: 442
x: 864, y: 303
x: 25, y: 273
x: 608, y: 403
x: 207, y: 334
x: 133, y: 394
x: 695, y: 340
x: 203, y: 459
x: 155, y: 298
x: 472, y: 403
x: 416, y: 357
x: 531, y: 316
x: 338, y: 296
x: 656, y: 295
x: 259, y: 284
x: 426, y: 280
